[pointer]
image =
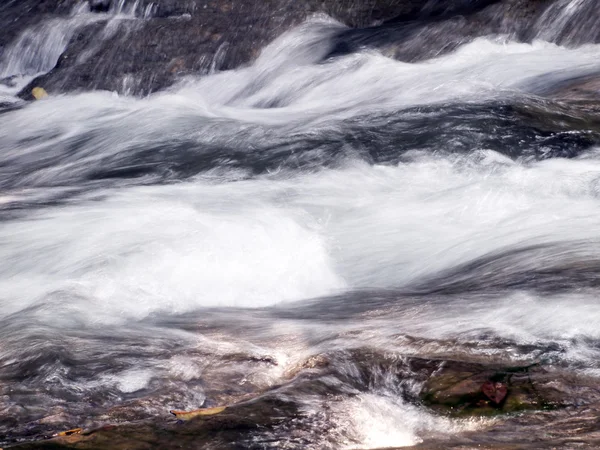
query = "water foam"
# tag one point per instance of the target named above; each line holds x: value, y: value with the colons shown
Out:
x: 218, y: 241
x: 137, y: 254
x: 66, y: 139
x: 372, y: 421
x: 262, y: 241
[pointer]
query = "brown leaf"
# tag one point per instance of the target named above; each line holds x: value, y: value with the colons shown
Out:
x: 70, y: 432
x: 496, y: 392
x: 187, y: 415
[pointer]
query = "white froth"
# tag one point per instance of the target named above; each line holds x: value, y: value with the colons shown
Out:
x: 130, y: 381
x: 134, y: 255
x: 260, y: 242
x: 185, y: 368
x: 308, y: 93
x: 373, y: 421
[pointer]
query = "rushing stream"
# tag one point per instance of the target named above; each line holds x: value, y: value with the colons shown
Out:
x: 230, y: 236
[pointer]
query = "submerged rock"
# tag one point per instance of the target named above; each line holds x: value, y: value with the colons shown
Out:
x: 472, y: 389
x: 452, y: 388
x: 229, y: 429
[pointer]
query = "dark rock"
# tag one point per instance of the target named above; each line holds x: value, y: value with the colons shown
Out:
x: 179, y: 37
x: 100, y: 5
x: 582, y: 90
x: 172, y: 38
x: 228, y: 429
x: 140, y: 57
x: 188, y: 37
x: 443, y: 26
x: 474, y: 389
x: 547, y: 397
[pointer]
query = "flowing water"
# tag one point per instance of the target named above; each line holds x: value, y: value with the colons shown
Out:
x: 199, y: 245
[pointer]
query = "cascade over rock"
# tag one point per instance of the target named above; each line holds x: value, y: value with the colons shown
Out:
x: 141, y: 47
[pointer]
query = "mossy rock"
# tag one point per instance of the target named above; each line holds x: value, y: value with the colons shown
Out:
x: 458, y: 389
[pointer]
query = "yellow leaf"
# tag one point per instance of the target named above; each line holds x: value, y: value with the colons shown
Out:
x: 187, y: 415
x: 39, y: 93
x: 70, y: 432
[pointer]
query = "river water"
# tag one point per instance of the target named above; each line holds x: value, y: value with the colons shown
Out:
x: 200, y: 244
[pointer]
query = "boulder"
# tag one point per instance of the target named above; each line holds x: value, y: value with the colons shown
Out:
x: 163, y: 40
x: 473, y: 389
x: 151, y: 47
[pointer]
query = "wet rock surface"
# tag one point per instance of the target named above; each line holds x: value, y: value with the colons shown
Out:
x: 159, y: 42
x: 18, y: 15
x: 133, y: 55
x: 552, y: 402
x: 462, y: 389
x: 442, y: 30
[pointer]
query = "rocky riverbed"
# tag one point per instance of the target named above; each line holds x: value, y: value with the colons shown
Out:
x: 299, y: 224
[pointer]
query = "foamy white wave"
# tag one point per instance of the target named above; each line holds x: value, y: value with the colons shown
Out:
x: 568, y: 319
x: 305, y: 93
x: 369, y: 82
x: 227, y: 108
x: 131, y: 380
x: 136, y: 255
x: 374, y: 421
x: 269, y: 240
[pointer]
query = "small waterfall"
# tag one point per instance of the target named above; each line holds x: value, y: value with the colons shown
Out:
x: 570, y: 22
x: 125, y: 8
x: 37, y: 50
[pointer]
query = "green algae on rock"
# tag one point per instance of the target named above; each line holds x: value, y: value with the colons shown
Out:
x: 459, y: 389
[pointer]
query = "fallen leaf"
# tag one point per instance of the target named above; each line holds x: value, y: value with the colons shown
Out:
x: 39, y: 93
x: 187, y: 415
x: 70, y: 432
x: 496, y: 392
